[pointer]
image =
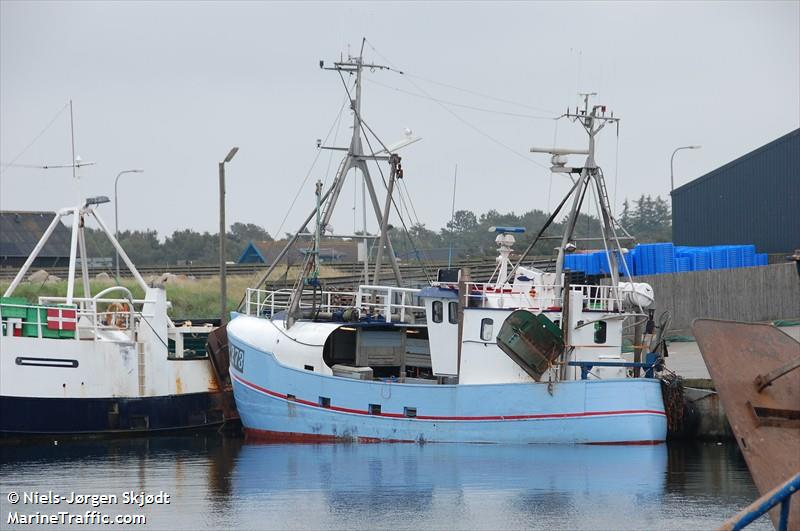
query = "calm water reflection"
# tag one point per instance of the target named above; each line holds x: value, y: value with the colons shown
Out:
x: 217, y: 482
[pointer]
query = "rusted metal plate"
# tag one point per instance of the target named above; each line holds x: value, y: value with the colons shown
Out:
x: 740, y: 357
x: 217, y: 348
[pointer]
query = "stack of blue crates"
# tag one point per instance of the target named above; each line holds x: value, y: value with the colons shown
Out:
x: 658, y: 258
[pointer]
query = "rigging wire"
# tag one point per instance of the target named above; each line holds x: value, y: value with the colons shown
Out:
x: 394, y: 203
x: 383, y: 178
x: 616, y: 168
x: 464, y: 121
x: 550, y: 185
x: 308, y: 174
x: 35, y: 139
x: 468, y: 91
x: 335, y: 137
x: 462, y: 105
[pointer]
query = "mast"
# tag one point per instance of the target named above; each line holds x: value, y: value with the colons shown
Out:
x: 593, y: 120
x: 355, y: 159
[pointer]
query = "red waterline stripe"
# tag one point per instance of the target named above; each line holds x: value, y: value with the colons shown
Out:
x: 269, y: 436
x: 432, y: 417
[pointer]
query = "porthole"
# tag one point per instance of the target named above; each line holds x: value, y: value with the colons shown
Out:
x: 452, y: 312
x: 487, y: 327
x: 438, y: 310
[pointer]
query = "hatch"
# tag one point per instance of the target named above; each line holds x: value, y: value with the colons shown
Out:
x: 532, y: 340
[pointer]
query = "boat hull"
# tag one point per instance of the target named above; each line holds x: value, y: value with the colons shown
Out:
x: 31, y: 416
x: 283, y: 403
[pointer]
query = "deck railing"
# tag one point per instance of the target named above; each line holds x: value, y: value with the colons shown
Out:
x: 542, y: 297
x: 389, y: 301
x: 386, y: 302
x: 84, y: 319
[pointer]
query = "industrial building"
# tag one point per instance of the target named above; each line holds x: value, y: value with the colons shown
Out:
x: 20, y: 232
x: 754, y: 199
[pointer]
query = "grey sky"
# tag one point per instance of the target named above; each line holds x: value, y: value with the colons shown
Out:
x: 169, y: 87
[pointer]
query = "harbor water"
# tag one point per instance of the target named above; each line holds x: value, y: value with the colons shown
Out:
x: 217, y: 482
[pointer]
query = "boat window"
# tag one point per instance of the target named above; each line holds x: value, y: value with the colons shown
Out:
x: 410, y: 412
x: 438, y: 310
x: 452, y: 312
x: 486, y: 329
x: 309, y: 367
x: 324, y: 401
x: 600, y: 332
x: 374, y: 409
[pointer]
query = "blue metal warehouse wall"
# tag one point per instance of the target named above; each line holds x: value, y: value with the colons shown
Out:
x: 753, y: 200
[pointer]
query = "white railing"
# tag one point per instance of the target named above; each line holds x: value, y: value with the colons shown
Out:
x: 267, y: 303
x: 602, y: 298
x: 387, y: 302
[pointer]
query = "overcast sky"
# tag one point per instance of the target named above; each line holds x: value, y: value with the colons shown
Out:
x: 170, y: 87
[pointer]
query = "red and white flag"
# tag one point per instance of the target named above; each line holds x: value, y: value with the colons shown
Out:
x: 62, y: 318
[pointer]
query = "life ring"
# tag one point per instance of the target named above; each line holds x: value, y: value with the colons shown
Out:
x: 117, y: 314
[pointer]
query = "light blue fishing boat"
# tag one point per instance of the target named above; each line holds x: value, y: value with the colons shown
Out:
x: 525, y: 357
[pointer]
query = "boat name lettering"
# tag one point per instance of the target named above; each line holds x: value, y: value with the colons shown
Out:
x: 237, y: 358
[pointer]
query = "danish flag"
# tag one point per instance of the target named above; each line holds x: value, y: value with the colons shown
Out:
x: 62, y: 318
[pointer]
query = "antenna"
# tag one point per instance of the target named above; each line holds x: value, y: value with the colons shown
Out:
x: 452, y: 217
x: 593, y: 119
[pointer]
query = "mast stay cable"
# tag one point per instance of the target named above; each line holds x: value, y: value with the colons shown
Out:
x: 35, y: 139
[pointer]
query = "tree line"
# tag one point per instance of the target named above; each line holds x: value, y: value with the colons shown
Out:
x: 647, y: 219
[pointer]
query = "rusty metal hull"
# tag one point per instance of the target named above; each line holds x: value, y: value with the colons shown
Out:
x: 754, y: 368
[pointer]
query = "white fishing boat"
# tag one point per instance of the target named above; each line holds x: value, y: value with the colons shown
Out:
x: 102, y: 363
x: 525, y: 356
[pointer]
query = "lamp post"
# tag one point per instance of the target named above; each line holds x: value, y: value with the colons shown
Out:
x: 116, y: 211
x: 223, y: 288
x: 671, y: 165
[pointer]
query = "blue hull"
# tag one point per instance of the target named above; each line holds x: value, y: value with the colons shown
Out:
x: 283, y: 403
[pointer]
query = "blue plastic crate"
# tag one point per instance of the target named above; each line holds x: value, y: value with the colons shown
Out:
x: 735, y: 256
x: 719, y: 257
x: 749, y: 255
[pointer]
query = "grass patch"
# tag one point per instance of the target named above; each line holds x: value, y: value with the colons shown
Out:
x: 197, y: 298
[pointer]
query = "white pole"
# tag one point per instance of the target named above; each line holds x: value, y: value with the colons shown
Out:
x: 73, y: 250
x: 121, y: 252
x: 87, y: 290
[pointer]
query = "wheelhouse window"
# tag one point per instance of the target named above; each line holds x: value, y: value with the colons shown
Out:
x: 487, y: 326
x: 438, y: 311
x: 600, y: 331
x: 452, y: 312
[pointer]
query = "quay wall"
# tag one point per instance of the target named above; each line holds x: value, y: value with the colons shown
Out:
x: 745, y: 294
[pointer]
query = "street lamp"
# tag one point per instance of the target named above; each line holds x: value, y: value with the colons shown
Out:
x: 116, y: 211
x: 671, y: 164
x: 223, y: 287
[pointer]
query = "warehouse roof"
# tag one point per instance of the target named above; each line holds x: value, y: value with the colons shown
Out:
x: 20, y: 232
x: 788, y: 137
